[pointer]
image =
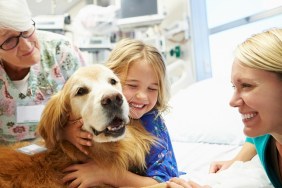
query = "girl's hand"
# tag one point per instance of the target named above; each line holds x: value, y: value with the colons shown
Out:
x: 75, y: 135
x: 181, y: 183
x: 178, y: 183
x: 85, y: 175
x: 195, y: 185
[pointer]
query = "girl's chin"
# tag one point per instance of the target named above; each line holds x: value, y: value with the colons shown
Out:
x: 134, y: 114
x: 135, y: 117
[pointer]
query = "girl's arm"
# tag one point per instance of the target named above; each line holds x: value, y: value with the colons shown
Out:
x: 89, y: 174
x: 132, y: 180
x: 161, y: 162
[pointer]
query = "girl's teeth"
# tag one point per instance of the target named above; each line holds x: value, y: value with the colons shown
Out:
x: 136, y: 105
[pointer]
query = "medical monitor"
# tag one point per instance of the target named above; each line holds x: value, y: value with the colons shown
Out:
x: 138, y: 13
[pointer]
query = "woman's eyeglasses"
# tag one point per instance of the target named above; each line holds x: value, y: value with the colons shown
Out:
x: 12, y: 42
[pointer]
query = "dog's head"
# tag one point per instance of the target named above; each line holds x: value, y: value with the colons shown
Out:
x: 93, y: 93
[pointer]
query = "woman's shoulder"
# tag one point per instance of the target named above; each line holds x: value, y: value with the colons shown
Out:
x: 260, y: 140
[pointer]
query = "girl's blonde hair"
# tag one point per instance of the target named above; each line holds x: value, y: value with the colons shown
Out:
x: 128, y: 51
x: 262, y: 51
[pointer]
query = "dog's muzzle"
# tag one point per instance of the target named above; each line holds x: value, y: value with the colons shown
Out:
x: 112, y: 105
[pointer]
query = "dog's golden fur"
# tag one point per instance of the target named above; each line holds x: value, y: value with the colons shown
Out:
x: 45, y: 169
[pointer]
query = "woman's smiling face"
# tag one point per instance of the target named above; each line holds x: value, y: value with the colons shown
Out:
x: 258, y: 96
x: 25, y: 54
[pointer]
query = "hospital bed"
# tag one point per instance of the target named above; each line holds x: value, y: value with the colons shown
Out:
x: 204, y: 128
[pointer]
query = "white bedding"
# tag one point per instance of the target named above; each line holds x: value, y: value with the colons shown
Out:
x: 203, y: 128
x: 195, y: 158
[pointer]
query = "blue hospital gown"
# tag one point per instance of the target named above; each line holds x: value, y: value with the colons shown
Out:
x: 161, y: 162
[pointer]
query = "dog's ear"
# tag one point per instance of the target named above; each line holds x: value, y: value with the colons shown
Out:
x: 53, y: 119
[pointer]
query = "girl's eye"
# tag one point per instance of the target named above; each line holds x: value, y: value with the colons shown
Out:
x: 153, y: 89
x: 131, y: 85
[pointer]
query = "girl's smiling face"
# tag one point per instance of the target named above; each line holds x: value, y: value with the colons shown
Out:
x: 141, y: 88
x: 258, y: 96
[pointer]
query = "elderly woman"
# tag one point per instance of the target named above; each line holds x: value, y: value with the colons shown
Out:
x: 33, y: 65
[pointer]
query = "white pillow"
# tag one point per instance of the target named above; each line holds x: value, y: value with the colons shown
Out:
x: 201, y: 113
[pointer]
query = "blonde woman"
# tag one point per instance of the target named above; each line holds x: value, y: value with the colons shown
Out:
x: 257, y: 80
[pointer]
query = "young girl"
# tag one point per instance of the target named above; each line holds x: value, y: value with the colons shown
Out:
x: 142, y: 72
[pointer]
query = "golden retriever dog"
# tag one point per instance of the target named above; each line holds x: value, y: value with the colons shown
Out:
x: 94, y: 94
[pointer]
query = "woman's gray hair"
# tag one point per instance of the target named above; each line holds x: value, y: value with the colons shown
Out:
x: 15, y: 15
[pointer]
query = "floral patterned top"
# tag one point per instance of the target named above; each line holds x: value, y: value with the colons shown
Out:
x: 59, y: 59
x: 161, y: 162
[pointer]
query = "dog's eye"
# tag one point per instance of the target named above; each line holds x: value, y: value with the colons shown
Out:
x: 81, y: 91
x: 113, y: 81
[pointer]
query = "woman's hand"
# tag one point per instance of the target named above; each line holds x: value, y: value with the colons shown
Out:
x: 220, y: 165
x: 75, y: 135
x: 247, y: 152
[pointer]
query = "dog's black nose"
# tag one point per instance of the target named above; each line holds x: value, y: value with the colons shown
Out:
x: 113, y: 100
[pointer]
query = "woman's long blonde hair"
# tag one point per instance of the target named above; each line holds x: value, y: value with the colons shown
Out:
x: 128, y: 51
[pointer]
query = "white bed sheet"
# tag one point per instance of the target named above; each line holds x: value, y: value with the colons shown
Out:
x: 195, y: 158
